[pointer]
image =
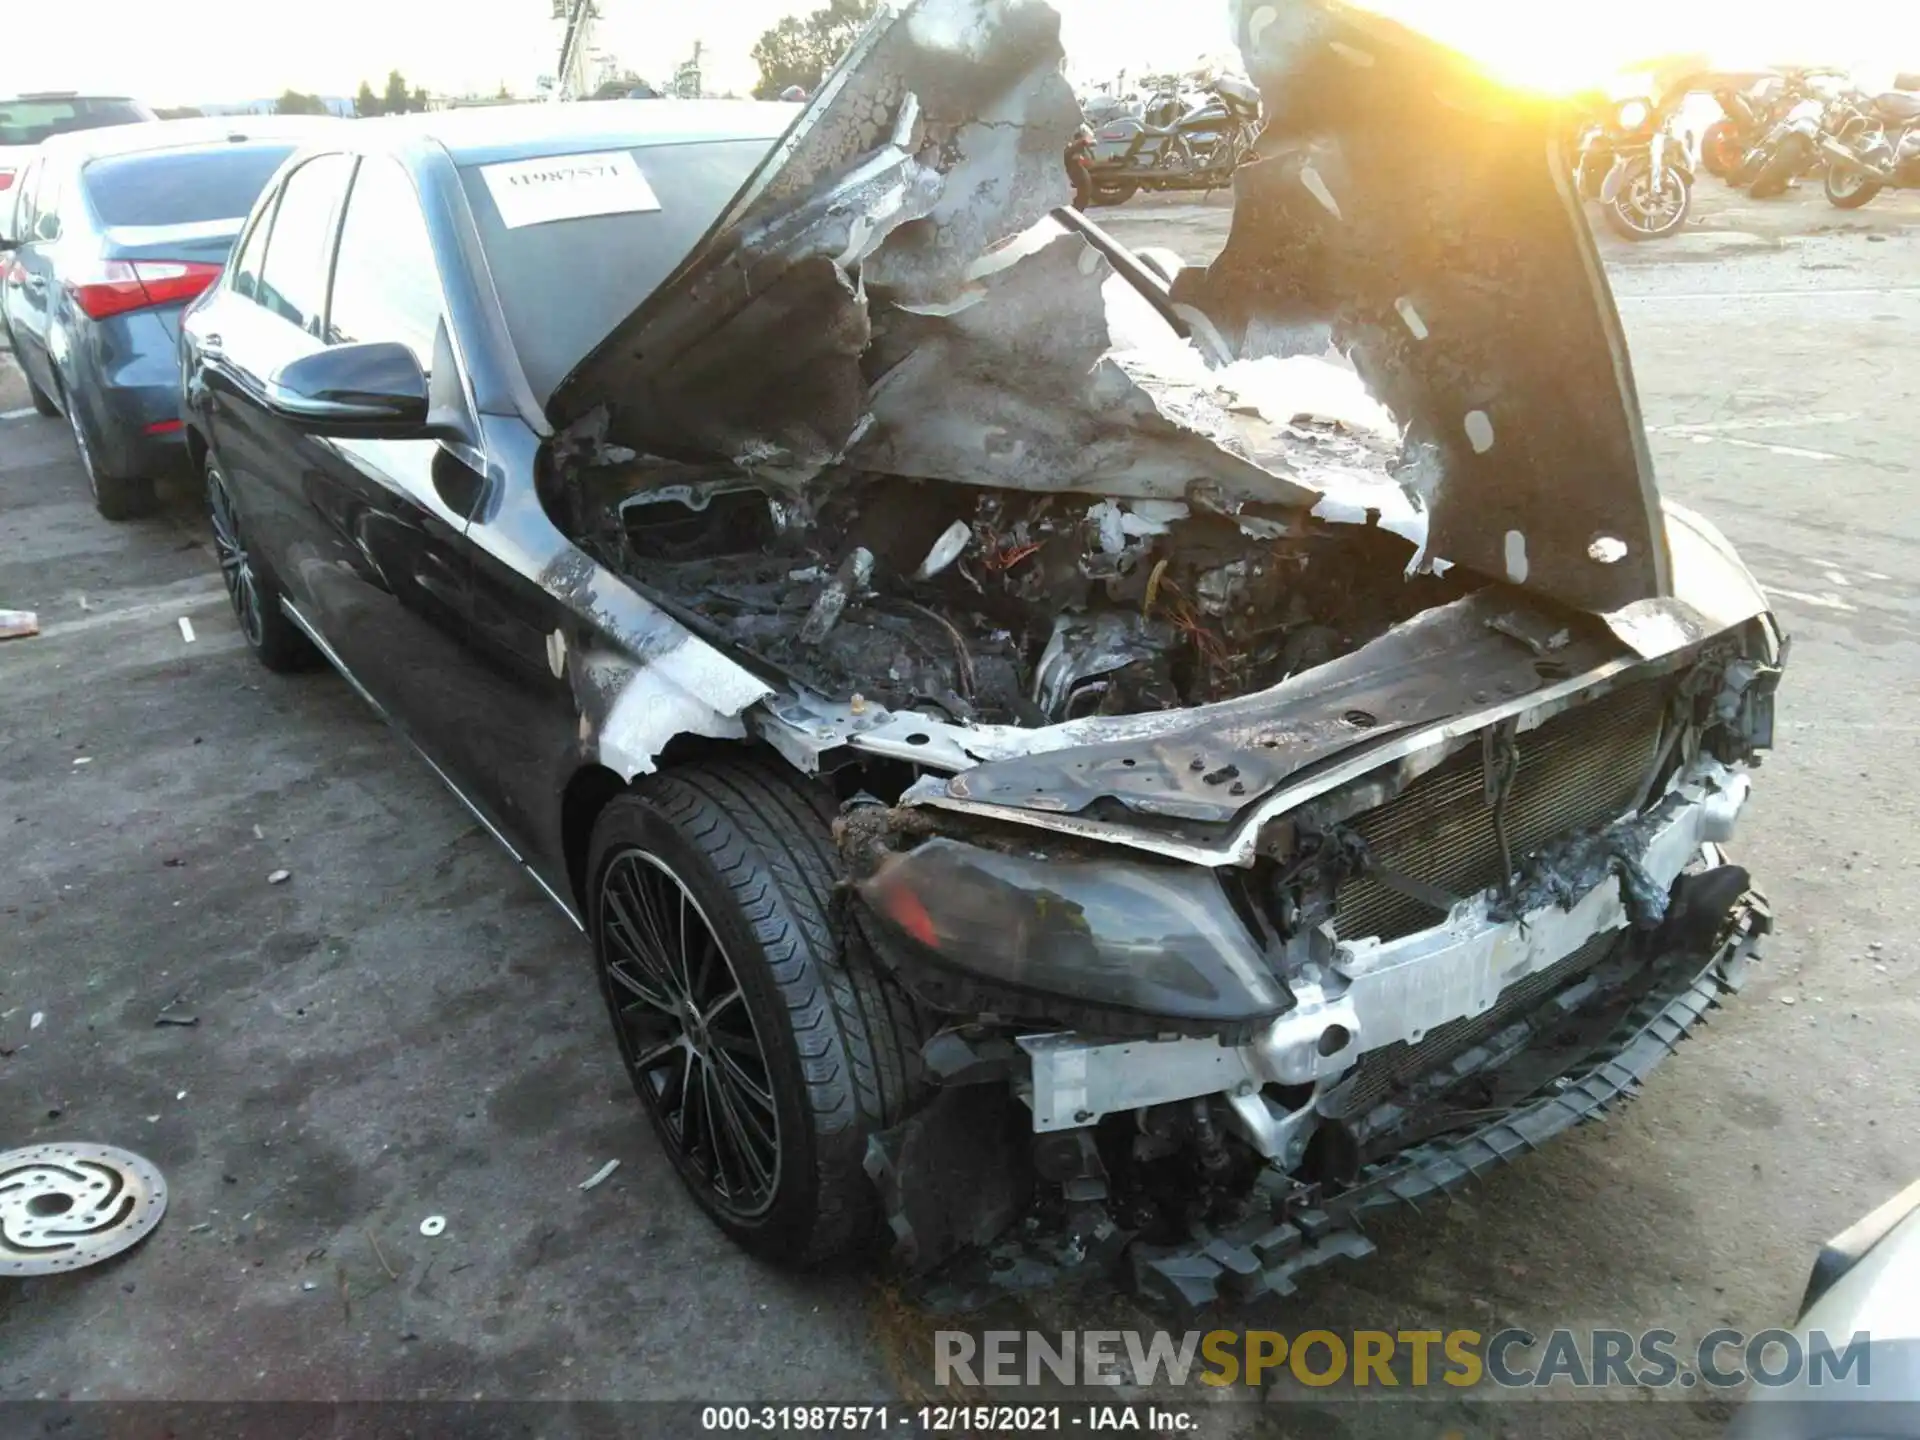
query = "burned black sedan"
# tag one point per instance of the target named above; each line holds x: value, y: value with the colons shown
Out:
x: 1063, y: 761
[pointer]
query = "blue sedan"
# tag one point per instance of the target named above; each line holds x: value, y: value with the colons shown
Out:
x: 112, y: 233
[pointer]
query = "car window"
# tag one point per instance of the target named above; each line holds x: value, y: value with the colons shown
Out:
x: 293, y: 278
x: 181, y: 187
x: 385, y: 283
x: 28, y: 122
x: 246, y: 265
x: 564, y: 284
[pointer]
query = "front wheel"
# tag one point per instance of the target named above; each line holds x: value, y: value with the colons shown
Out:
x: 1647, y: 205
x: 1114, y: 194
x: 764, y: 1043
x: 1849, y: 189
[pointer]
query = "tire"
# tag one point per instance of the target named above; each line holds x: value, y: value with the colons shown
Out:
x: 1114, y: 194
x: 116, y: 497
x: 1785, y: 163
x: 834, y: 1043
x: 275, y: 640
x: 1720, y: 151
x: 42, y: 401
x: 1620, y: 217
x: 1845, y: 198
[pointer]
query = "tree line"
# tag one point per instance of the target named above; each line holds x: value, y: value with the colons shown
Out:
x: 396, y: 99
x: 803, y: 48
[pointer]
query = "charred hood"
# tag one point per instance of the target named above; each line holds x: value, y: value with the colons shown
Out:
x: 888, y: 295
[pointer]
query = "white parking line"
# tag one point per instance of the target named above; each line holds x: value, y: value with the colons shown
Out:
x: 1757, y: 422
x: 1824, y: 602
x: 185, y: 598
x: 1808, y: 293
x: 18, y: 414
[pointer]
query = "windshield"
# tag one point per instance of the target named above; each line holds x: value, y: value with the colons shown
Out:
x: 28, y: 122
x: 181, y: 187
x: 565, y: 284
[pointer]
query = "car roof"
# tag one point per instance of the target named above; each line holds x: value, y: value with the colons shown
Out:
x: 489, y: 134
x: 26, y: 95
x: 148, y: 136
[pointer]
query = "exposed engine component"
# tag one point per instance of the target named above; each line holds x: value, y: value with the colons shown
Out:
x: 977, y: 604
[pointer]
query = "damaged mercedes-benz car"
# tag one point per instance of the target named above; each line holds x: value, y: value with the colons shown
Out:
x: 1066, y: 759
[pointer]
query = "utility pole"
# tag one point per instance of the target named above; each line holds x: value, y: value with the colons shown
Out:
x: 571, y: 80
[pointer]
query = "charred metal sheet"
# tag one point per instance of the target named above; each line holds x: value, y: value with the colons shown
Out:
x: 1016, y: 383
x: 751, y: 352
x: 1439, y: 665
x: 1459, y: 275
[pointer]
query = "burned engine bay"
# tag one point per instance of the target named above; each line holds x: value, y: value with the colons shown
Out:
x: 903, y: 433
x: 976, y: 605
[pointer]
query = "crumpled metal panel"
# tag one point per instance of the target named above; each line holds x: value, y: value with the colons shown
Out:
x: 888, y: 293
x: 928, y: 143
x: 1422, y: 216
x: 1447, y: 662
x: 1015, y: 384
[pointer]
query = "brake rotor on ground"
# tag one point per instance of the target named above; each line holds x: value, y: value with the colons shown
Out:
x: 66, y: 1206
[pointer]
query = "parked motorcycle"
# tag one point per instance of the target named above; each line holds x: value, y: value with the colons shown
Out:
x: 1747, y: 103
x: 1791, y: 146
x: 1641, y: 175
x: 1079, y: 160
x: 1198, y: 148
x: 1872, y: 143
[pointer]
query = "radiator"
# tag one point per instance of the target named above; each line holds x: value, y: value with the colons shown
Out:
x: 1582, y: 768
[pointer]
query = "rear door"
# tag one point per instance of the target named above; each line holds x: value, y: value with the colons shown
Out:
x: 32, y: 279
x: 16, y: 207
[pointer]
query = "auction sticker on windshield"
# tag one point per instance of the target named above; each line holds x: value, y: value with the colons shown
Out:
x: 568, y: 187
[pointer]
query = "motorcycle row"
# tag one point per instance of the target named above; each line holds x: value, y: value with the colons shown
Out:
x: 1776, y: 127
x: 1167, y: 141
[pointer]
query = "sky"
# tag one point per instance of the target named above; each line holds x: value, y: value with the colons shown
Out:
x: 244, y: 49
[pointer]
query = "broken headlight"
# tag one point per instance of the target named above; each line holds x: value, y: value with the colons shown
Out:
x: 1152, y: 940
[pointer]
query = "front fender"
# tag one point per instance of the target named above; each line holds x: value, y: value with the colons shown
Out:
x: 1616, y: 180
x: 1713, y: 592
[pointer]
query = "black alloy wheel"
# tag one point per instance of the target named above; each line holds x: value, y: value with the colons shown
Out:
x: 686, y: 1033
x: 276, y: 641
x: 236, y: 566
x: 765, y: 1043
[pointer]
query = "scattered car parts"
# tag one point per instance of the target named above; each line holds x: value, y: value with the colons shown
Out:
x: 68, y: 1205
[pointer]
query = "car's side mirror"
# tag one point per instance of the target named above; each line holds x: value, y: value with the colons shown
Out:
x: 375, y: 391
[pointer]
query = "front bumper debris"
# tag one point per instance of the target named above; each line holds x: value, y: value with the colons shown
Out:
x: 1379, y: 993
x: 1291, y: 1228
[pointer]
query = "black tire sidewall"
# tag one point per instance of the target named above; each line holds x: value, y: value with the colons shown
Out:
x: 1861, y: 196
x: 116, y: 497
x: 283, y: 648
x: 631, y: 821
x: 42, y: 402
